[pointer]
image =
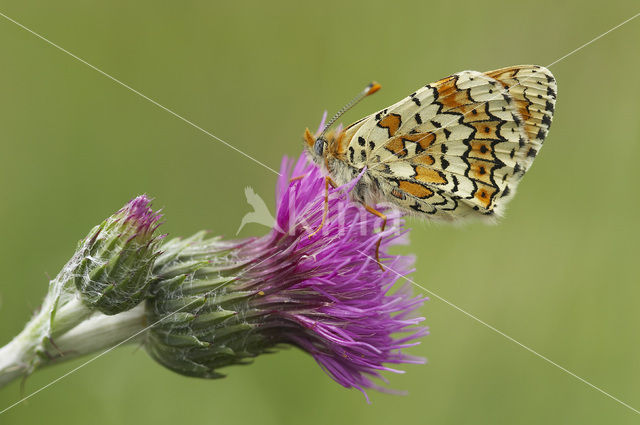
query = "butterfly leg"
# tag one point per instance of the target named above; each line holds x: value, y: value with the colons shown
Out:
x: 292, y: 179
x: 327, y: 181
x: 384, y: 224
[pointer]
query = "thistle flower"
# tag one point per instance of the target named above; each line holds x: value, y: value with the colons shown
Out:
x: 312, y: 282
x: 219, y: 303
x: 116, y: 258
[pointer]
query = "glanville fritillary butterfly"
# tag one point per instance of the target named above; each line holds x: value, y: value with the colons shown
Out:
x: 452, y: 150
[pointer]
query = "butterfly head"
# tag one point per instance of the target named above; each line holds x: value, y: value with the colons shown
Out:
x: 316, y: 147
x: 320, y: 146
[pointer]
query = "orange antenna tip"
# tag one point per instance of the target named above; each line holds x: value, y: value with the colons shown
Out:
x: 373, y: 87
x: 370, y: 89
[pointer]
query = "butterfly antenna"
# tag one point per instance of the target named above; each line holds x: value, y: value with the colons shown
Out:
x: 370, y: 89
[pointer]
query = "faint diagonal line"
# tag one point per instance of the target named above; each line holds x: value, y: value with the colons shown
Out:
x: 497, y: 96
x: 114, y: 79
x: 499, y: 332
x: 594, y: 39
x: 92, y: 359
x: 260, y: 163
x: 97, y: 356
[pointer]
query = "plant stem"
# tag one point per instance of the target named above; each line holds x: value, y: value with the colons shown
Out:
x: 36, y: 347
x: 102, y: 332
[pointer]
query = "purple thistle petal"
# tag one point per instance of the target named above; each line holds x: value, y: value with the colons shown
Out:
x: 138, y: 212
x: 323, y: 122
x: 338, y: 298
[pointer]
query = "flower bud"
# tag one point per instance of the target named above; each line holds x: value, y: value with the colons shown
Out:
x: 114, y: 262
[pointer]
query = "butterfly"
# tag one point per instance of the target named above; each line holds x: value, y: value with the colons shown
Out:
x: 452, y: 150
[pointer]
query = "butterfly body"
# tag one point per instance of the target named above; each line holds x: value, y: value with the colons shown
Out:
x: 454, y: 149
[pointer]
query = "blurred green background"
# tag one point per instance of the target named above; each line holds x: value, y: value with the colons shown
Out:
x: 559, y: 273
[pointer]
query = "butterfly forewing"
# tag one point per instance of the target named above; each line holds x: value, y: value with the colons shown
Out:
x: 459, y: 146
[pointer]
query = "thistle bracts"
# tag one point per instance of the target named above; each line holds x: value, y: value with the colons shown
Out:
x: 117, y: 258
x: 202, y: 314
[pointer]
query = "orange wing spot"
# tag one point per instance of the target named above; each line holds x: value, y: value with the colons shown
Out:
x: 413, y: 137
x: 481, y: 149
x: 429, y: 175
x: 391, y: 122
x: 415, y: 189
x: 486, y: 129
x: 522, y: 105
x: 423, y: 160
x: 397, y: 147
x: 423, y: 139
x: 308, y: 137
x: 445, y: 86
x: 531, y: 130
x: 455, y: 99
x: 503, y: 75
x: 485, y: 195
x: 398, y: 194
x: 481, y: 171
x: 536, y: 117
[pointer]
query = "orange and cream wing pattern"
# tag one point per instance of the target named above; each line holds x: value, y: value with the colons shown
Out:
x: 457, y: 147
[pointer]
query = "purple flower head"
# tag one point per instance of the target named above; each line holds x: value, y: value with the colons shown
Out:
x: 322, y: 292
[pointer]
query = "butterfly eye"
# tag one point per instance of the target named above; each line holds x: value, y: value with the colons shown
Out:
x: 318, y: 147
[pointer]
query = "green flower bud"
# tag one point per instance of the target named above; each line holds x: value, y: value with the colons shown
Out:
x: 115, y: 260
x: 110, y: 272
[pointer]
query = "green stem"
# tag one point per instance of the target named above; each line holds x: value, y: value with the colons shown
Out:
x: 102, y: 332
x: 72, y: 334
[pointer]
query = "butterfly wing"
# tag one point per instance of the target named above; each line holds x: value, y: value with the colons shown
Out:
x: 457, y: 147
